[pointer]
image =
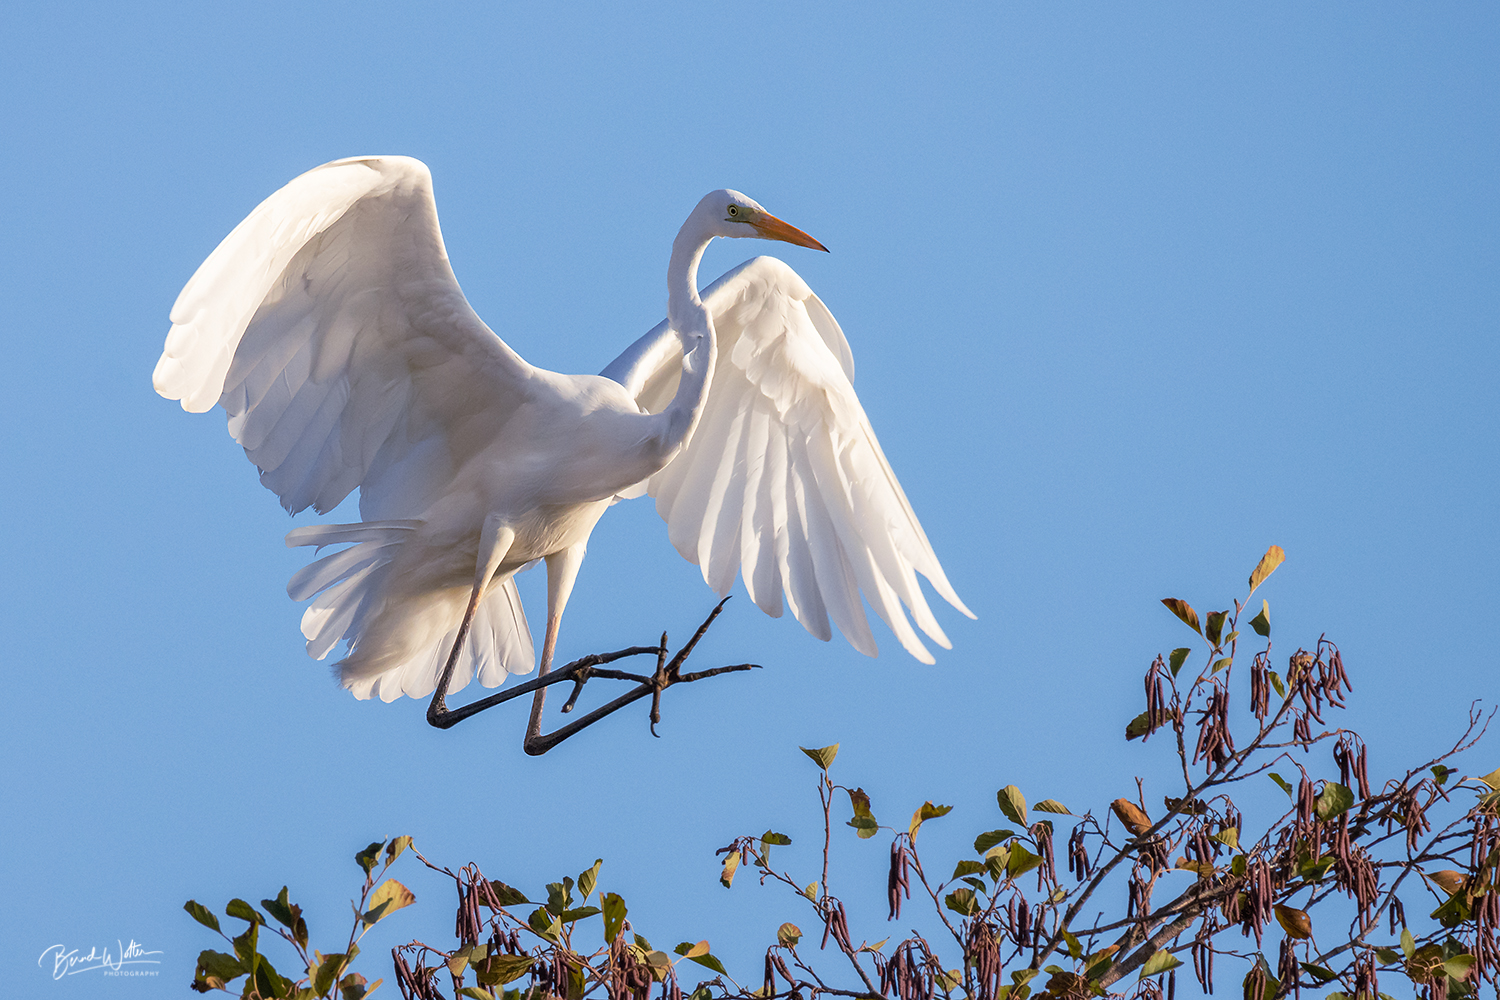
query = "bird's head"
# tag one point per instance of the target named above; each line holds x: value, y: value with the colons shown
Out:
x: 734, y: 215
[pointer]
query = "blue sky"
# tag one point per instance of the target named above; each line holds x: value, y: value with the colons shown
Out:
x: 1132, y: 295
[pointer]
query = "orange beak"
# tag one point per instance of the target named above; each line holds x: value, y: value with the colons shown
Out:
x: 773, y: 228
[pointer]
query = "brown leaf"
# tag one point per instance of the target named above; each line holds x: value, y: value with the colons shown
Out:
x: 1448, y: 880
x: 1132, y: 815
x: 1274, y: 557
x: 1295, y: 922
x: 1182, y: 609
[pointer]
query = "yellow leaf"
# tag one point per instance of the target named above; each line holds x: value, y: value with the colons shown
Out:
x: 1274, y: 557
x: 390, y: 897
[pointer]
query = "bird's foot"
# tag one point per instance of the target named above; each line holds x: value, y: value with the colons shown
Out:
x: 669, y: 673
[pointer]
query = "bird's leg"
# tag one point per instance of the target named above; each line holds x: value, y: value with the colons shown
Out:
x: 495, y: 539
x: 562, y: 571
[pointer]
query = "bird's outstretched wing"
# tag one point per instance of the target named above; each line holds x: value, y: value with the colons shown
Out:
x: 782, y: 479
x: 330, y: 326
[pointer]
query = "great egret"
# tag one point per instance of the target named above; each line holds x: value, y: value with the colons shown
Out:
x: 331, y: 328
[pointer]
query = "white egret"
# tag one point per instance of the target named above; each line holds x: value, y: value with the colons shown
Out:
x: 331, y: 328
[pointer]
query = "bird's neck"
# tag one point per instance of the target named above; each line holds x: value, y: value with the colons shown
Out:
x: 690, y: 320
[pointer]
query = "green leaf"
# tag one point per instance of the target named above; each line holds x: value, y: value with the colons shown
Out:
x: 709, y: 961
x: 328, y: 970
x: 269, y: 982
x: 1138, y: 726
x: 1051, y: 806
x: 1075, y: 949
x: 244, y: 911
x: 863, y: 822
x: 926, y: 812
x: 506, y: 896
x: 1441, y: 773
x: 220, y: 965
x: 390, y: 897
x: 1492, y: 779
x: 1213, y: 626
x: 1319, y: 973
x: 1274, y: 557
x: 589, y: 878
x: 688, y: 949
x: 614, y: 915
x: 1182, y: 609
x: 1221, y: 664
x: 559, y: 895
x: 985, y: 841
x: 1334, y: 800
x: 458, y: 962
x: 811, y: 891
x: 1262, y: 622
x: 202, y: 914
x: 1158, y: 963
x: 1021, y: 861
x: 967, y: 868
x: 1177, y: 659
x: 787, y: 935
x: 731, y: 865
x: 369, y: 858
x: 354, y: 987
x: 822, y: 756
x: 282, y: 910
x: 961, y: 901
x: 1408, y: 943
x: 1284, y: 786
x: 1229, y: 837
x: 1012, y: 804
x: 498, y: 970
x: 574, y: 915
x: 1387, y: 956
x: 1454, y: 912
x: 475, y: 993
x: 544, y: 924
x: 779, y: 839
x: 395, y: 848
x: 1276, y: 683
x: 1458, y: 966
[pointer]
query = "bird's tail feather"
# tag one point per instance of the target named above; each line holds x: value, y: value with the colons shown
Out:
x: 398, y: 646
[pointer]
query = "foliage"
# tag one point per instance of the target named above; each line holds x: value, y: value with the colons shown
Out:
x: 1321, y: 885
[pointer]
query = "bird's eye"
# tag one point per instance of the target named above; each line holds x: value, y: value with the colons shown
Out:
x: 734, y: 210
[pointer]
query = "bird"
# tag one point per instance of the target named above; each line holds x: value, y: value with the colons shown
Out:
x: 330, y: 327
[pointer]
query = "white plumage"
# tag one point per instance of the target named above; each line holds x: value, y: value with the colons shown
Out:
x: 330, y: 327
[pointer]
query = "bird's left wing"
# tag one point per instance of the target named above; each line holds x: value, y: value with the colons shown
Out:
x: 330, y: 326
x: 782, y: 480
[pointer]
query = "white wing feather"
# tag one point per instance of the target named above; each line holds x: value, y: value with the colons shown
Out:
x: 783, y: 481
x: 319, y: 322
x: 331, y: 328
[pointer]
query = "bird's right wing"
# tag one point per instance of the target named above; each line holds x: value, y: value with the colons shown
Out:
x: 782, y: 480
x: 331, y: 328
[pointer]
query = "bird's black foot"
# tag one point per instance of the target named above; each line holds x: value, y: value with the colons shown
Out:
x: 667, y: 673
